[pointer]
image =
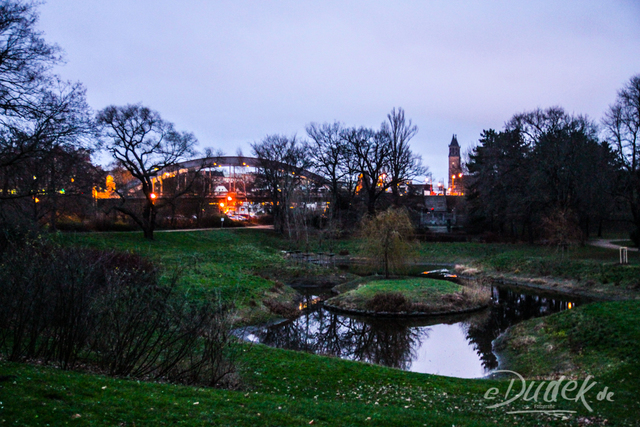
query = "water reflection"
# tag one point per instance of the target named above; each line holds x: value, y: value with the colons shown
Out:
x: 388, y: 343
x: 453, y: 345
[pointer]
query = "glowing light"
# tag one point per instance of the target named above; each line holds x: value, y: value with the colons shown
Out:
x: 153, y: 196
x: 229, y: 198
x: 222, y: 204
x: 570, y: 305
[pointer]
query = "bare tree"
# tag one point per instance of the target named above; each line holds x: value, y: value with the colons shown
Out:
x: 43, y: 120
x: 282, y: 161
x: 144, y: 144
x: 622, y: 129
x: 371, y: 151
x: 25, y: 58
x: 331, y: 157
x: 403, y: 163
x: 36, y: 148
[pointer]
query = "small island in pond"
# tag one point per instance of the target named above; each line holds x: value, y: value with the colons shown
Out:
x: 410, y: 296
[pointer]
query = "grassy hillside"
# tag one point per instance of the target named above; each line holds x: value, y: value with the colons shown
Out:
x: 281, y: 388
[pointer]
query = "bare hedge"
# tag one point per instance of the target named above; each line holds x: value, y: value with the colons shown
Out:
x: 107, y: 311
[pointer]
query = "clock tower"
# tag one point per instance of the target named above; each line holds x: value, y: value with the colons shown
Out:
x: 455, y: 169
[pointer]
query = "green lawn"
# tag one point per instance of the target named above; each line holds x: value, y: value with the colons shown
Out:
x: 281, y: 388
x: 413, y: 287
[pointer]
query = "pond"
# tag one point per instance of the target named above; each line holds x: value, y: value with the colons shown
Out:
x: 457, y: 345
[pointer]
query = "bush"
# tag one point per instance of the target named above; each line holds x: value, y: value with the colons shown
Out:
x: 389, y: 302
x: 76, y: 307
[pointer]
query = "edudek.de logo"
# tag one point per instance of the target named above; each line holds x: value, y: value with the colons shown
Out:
x: 541, y: 396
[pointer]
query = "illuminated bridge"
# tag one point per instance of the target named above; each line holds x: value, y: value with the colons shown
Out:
x: 229, y: 184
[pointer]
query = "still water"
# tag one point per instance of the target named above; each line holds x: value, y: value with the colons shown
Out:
x: 457, y: 346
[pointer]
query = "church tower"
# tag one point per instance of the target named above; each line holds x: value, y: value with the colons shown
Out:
x: 455, y: 169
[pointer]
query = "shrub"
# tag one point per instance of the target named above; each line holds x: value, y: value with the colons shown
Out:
x: 73, y: 307
x: 390, y: 302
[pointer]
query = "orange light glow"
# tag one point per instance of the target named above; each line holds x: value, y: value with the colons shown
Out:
x: 222, y: 204
x: 229, y: 198
x: 153, y: 196
x: 570, y: 305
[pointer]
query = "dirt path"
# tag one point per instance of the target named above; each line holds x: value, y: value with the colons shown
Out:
x: 606, y: 243
x: 260, y: 227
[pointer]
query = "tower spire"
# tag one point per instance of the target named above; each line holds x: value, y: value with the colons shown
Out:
x: 455, y: 168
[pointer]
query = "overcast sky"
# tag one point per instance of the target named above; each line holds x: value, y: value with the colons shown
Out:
x: 235, y: 71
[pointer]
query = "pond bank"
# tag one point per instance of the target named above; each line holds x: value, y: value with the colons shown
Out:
x: 418, y: 314
x: 570, y: 288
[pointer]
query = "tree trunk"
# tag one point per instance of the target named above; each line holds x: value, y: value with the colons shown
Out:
x: 386, y: 264
x: 54, y: 197
x: 600, y: 227
x: 371, y: 204
x: 396, y: 194
x: 149, y: 220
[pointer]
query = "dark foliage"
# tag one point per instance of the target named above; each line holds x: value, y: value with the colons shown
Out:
x: 544, y: 162
x: 389, y: 302
x: 74, y: 307
x: 622, y: 130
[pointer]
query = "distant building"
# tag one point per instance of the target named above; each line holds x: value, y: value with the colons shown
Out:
x: 456, y: 177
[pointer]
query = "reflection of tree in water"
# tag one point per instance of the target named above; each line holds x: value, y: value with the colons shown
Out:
x: 388, y: 343
x: 510, y: 307
x: 395, y: 343
x: 384, y: 342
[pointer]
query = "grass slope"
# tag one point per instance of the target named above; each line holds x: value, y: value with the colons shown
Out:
x: 282, y: 388
x: 599, y: 339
